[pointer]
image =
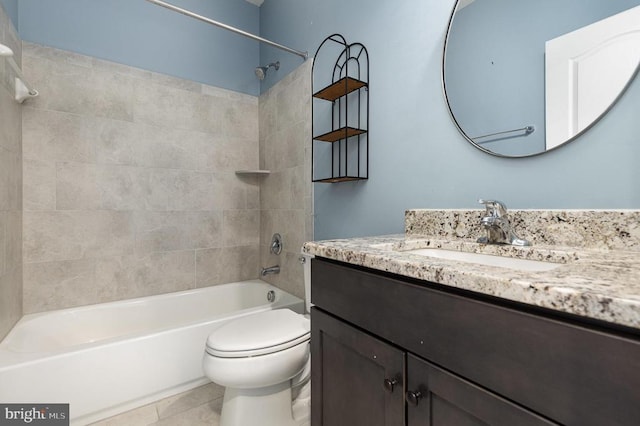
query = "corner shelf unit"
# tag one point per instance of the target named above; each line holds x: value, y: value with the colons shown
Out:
x: 253, y: 172
x: 340, y: 112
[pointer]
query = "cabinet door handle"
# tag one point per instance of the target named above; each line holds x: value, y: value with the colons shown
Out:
x: 413, y: 397
x: 389, y: 384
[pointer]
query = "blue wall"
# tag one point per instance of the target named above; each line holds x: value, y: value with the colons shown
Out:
x: 11, y: 7
x: 418, y: 158
x: 141, y: 34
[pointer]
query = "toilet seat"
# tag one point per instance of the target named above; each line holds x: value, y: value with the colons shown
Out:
x: 259, y: 334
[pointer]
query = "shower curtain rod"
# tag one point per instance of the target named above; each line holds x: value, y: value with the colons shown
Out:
x: 186, y: 12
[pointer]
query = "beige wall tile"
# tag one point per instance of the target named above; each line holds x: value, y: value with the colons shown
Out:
x: 273, y: 193
x: 66, y: 137
x: 56, y: 285
x: 115, y: 68
x: 13, y: 239
x: 119, y: 187
x: 10, y: 180
x: 77, y: 186
x: 293, y: 274
x: 293, y: 103
x: 297, y: 182
x: 166, y: 106
x: 268, y: 112
x: 285, y: 147
x: 39, y: 185
x: 228, y: 154
x: 109, y: 141
x: 239, y: 119
x: 83, y: 186
x: 3, y: 243
x: 241, y: 227
x: 188, y: 190
x: 176, y: 83
x: 125, y: 277
x: 166, y: 231
x: 10, y: 121
x: 135, y: 174
x: 163, y: 147
x: 235, y: 191
x: 11, y: 300
x: 56, y: 136
x: 209, y: 267
x: 81, y: 89
x: 229, y: 95
x: 252, y: 191
x: 58, y: 235
x: 286, y: 194
x: 10, y: 186
x: 290, y: 224
x: 290, y: 278
x: 64, y: 56
x: 225, y: 265
x: 6, y: 171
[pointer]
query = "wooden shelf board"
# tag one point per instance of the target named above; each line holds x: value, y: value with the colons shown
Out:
x: 340, y: 88
x: 340, y: 179
x: 339, y: 134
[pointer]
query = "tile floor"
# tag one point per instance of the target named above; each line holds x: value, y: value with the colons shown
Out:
x: 197, y: 407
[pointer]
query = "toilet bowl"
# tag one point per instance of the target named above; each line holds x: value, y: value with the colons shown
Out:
x: 256, y: 357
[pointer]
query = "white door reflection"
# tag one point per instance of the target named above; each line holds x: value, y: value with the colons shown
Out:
x: 586, y: 70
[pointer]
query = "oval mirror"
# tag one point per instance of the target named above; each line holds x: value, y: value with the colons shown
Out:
x: 522, y: 77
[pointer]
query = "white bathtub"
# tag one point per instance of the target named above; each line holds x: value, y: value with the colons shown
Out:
x: 109, y: 358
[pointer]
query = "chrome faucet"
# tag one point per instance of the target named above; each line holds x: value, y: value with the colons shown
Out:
x: 498, y: 227
x: 270, y: 270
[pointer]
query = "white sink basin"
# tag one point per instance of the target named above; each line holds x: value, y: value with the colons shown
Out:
x: 487, y: 259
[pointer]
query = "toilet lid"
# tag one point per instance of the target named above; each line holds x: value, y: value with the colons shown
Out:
x: 259, y: 334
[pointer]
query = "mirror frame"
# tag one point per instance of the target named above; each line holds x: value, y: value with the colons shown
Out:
x: 497, y: 154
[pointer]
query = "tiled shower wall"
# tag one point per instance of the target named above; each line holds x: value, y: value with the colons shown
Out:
x: 10, y: 186
x: 129, y: 183
x: 285, y: 196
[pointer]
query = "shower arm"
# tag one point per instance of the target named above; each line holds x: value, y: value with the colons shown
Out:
x: 186, y: 12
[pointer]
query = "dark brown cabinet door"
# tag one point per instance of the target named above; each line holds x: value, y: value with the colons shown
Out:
x: 438, y: 398
x: 356, y: 378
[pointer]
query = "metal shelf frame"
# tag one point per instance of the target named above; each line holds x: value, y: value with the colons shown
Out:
x: 348, y: 93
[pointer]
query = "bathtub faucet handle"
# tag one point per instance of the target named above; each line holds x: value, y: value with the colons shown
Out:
x: 276, y: 244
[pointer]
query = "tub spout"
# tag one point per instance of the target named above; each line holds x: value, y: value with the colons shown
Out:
x: 270, y: 270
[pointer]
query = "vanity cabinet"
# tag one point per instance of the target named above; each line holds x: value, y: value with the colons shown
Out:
x: 466, y: 359
x: 436, y: 397
x: 356, y: 378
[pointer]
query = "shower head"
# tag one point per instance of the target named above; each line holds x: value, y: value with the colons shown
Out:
x: 261, y: 72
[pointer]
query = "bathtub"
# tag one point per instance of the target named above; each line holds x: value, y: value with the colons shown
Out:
x: 108, y: 358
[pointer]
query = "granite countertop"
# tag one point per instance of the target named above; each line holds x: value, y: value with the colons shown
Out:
x: 599, y: 283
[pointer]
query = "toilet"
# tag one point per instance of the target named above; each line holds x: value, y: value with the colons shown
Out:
x: 259, y: 358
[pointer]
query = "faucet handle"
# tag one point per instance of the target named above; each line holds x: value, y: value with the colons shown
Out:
x: 494, y: 208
